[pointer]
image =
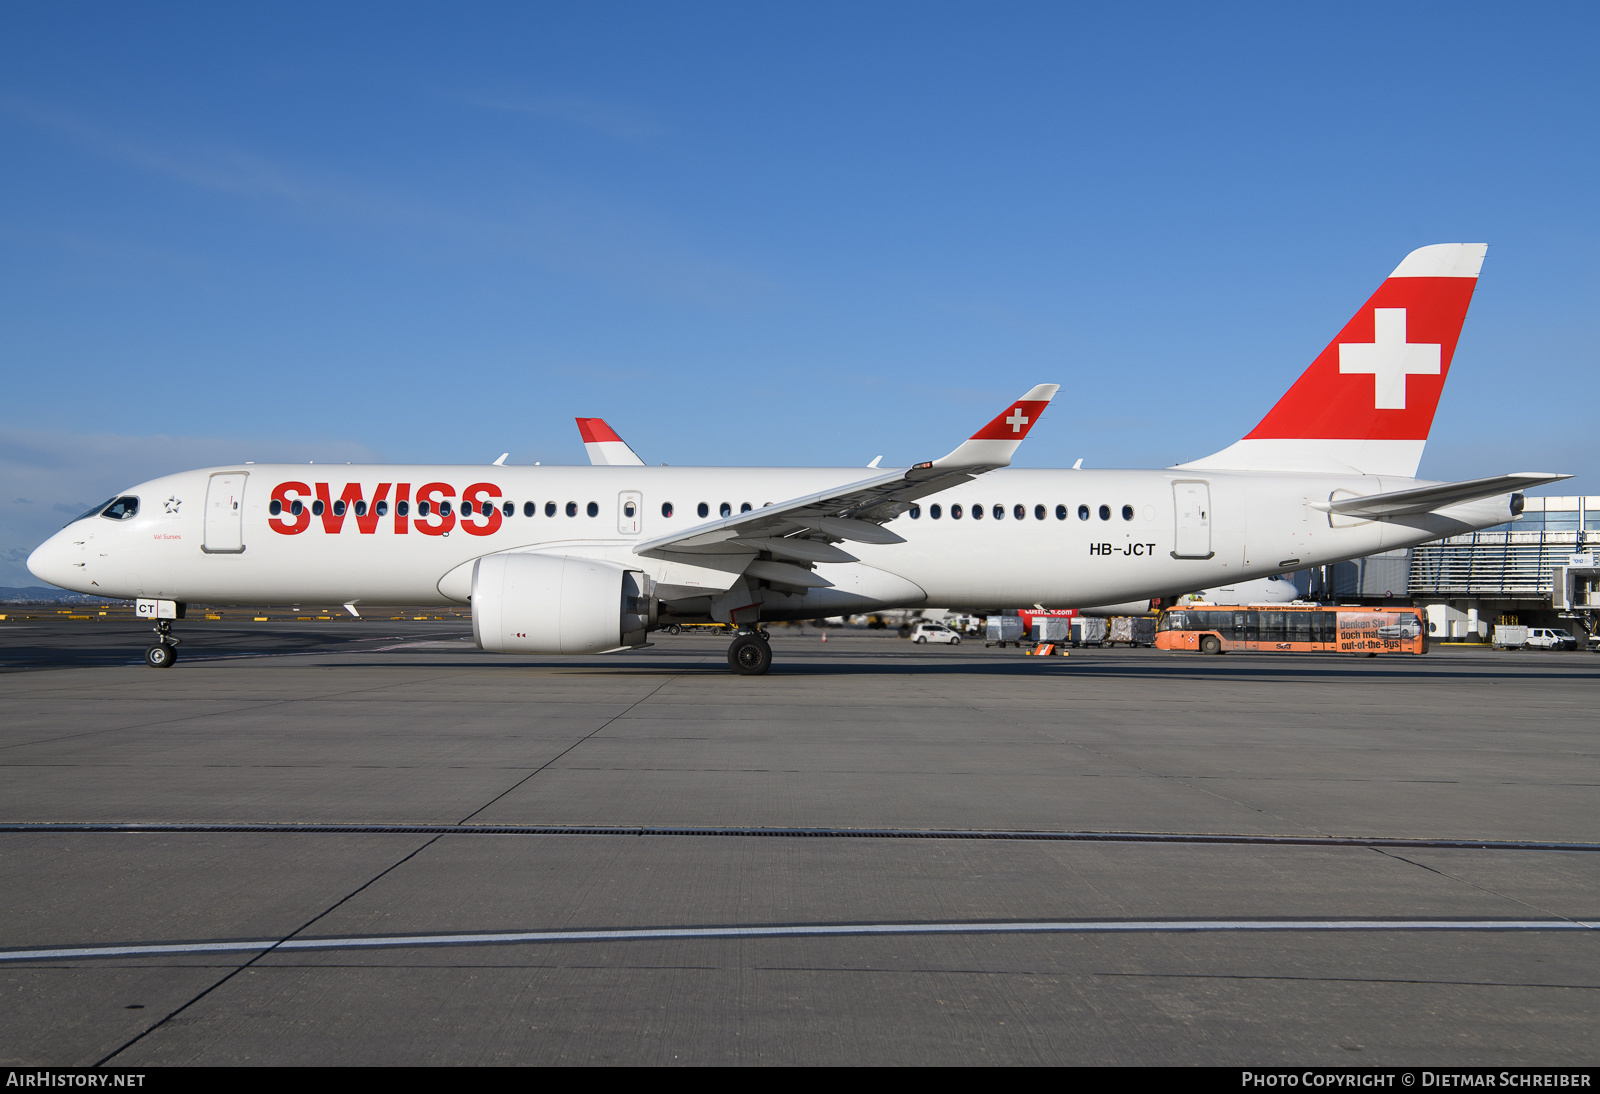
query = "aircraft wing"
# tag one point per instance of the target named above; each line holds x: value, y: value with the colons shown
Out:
x: 804, y: 529
x: 603, y: 444
x: 1425, y: 499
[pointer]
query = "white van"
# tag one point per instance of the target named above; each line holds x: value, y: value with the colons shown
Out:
x: 1550, y: 638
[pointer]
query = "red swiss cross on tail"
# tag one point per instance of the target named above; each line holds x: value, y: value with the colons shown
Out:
x: 1367, y: 401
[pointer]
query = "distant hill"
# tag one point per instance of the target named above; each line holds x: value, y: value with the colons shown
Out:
x: 44, y: 594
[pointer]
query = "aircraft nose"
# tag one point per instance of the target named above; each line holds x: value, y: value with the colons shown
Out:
x: 49, y: 562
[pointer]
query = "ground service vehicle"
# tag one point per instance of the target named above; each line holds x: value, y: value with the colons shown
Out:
x: 923, y: 633
x: 1292, y: 628
x: 1550, y: 638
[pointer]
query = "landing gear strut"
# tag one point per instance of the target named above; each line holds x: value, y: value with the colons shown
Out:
x: 750, y: 654
x: 165, y: 651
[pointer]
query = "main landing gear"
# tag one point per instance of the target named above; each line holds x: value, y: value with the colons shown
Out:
x: 165, y: 651
x: 751, y: 653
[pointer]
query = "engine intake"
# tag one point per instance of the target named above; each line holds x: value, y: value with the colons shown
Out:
x: 534, y: 603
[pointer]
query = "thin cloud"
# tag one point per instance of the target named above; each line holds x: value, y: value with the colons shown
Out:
x: 607, y: 119
x: 572, y: 235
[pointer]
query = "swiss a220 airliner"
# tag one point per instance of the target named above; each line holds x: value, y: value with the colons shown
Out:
x: 584, y: 560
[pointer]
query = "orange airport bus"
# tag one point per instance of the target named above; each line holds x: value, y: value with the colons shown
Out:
x: 1291, y: 628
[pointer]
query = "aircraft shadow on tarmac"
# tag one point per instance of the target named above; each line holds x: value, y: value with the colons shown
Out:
x: 891, y: 665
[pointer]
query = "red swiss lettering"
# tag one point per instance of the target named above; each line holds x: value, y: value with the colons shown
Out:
x: 486, y: 511
x: 432, y: 493
x: 368, y: 522
x: 285, y: 521
x: 333, y: 516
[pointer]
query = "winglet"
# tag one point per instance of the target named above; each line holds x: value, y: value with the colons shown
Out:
x: 994, y: 444
x: 603, y: 444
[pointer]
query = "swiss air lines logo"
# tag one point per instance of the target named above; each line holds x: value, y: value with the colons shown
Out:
x: 1381, y: 377
x: 388, y: 506
x: 1013, y: 424
x: 1389, y: 358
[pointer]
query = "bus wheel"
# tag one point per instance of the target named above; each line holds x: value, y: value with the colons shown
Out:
x: 1209, y: 644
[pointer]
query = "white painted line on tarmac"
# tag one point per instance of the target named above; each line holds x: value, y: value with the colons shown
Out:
x: 515, y: 938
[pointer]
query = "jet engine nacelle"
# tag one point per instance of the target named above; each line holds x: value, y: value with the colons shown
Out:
x: 534, y: 603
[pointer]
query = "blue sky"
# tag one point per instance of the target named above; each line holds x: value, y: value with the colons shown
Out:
x: 765, y: 234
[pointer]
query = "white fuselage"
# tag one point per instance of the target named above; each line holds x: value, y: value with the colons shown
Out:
x: 1255, y: 523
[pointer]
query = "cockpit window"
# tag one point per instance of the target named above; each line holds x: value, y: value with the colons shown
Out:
x: 95, y: 512
x: 122, y: 509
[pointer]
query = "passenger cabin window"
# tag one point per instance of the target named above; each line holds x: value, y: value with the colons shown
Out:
x: 1021, y: 512
x: 935, y: 511
x: 703, y: 509
x: 423, y: 508
x: 977, y: 512
x: 383, y: 508
x: 549, y: 508
x: 915, y: 512
x: 666, y: 509
x: 999, y: 512
x: 572, y: 508
x: 1083, y: 512
x: 1105, y: 512
x: 955, y: 511
x: 361, y: 508
x: 275, y: 508
x: 444, y: 509
x: 338, y: 508
x: 725, y: 509
x: 509, y: 509
x: 594, y: 510
x: 401, y: 508
x: 529, y: 508
x: 1061, y: 513
x: 1127, y: 512
x: 316, y: 508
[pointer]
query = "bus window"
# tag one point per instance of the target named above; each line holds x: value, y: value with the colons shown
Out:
x: 1299, y: 626
x: 1273, y: 628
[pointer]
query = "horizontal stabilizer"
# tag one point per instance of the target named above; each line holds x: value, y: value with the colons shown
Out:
x: 1426, y: 499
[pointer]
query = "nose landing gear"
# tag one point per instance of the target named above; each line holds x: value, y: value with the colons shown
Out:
x: 750, y: 654
x: 165, y: 651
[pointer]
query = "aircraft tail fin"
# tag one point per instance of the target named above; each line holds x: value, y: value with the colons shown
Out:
x: 1367, y: 402
x: 603, y: 444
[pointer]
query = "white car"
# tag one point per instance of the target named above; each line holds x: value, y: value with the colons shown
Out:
x: 934, y: 632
